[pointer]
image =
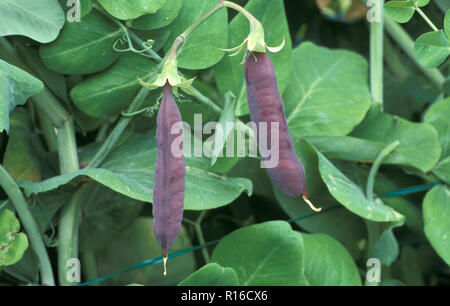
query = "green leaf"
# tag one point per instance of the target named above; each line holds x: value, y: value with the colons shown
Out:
x: 54, y: 81
x: 202, y: 48
x: 447, y: 24
x: 26, y: 269
x: 352, y: 197
x: 106, y: 214
x: 83, y: 47
x: 137, y: 243
x: 39, y: 20
x: 15, y: 89
x: 12, y: 243
x: 21, y: 158
x: 229, y: 74
x: 419, y: 145
x: 438, y: 115
x: 130, y: 170
x: 212, y: 275
x: 327, y: 263
x: 109, y: 92
x: 264, y: 254
x: 432, y: 48
x: 382, y: 242
x: 400, y: 11
x: 436, y: 212
x: 163, y: 17
x: 130, y: 9
x: 338, y: 223
x: 328, y: 92
x: 442, y: 169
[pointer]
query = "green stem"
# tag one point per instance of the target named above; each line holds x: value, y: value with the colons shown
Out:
x: 90, y: 266
x: 101, y: 134
x: 205, y: 100
x: 430, y: 23
x: 51, y: 107
x: 393, y: 59
x: 405, y: 42
x: 47, y: 130
x: 376, y: 165
x: 202, y: 19
x: 67, y: 148
x: 30, y: 225
x: 70, y: 213
x: 376, y: 58
x: 240, y: 9
x: 115, y: 134
x: 201, y: 239
x: 68, y: 235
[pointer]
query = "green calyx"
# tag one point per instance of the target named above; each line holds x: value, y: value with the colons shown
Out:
x: 254, y: 41
x: 169, y: 73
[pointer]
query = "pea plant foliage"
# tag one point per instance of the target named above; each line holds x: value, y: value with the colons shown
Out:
x: 224, y: 143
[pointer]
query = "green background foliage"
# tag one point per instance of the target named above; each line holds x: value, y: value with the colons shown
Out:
x: 69, y: 94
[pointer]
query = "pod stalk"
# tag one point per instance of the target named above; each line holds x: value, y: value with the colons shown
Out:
x: 311, y: 204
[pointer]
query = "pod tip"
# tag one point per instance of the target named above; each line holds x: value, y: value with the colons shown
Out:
x: 311, y: 204
x: 165, y: 265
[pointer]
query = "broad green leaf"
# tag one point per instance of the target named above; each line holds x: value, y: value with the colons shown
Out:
x: 16, y: 86
x: 438, y: 115
x: 436, y: 214
x: 54, y: 81
x: 137, y: 243
x: 327, y: 263
x: 432, y: 48
x: 264, y: 254
x: 109, y: 92
x: 359, y: 174
x: 352, y: 197
x: 202, y: 48
x: 130, y: 169
x: 12, y: 243
x: 130, y: 9
x: 338, y: 223
x: 382, y: 243
x: 46, y: 205
x: 229, y: 73
x: 39, y: 20
x: 163, y: 17
x: 400, y: 11
x: 21, y: 158
x: 212, y: 275
x: 83, y: 47
x: 419, y: 145
x: 327, y: 93
x: 442, y: 169
x: 106, y: 214
x: 347, y: 147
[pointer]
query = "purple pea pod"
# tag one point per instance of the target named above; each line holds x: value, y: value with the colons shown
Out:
x: 168, y: 190
x: 266, y: 106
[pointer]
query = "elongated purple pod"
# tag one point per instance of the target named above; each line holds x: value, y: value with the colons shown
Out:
x: 168, y: 190
x: 265, y: 105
